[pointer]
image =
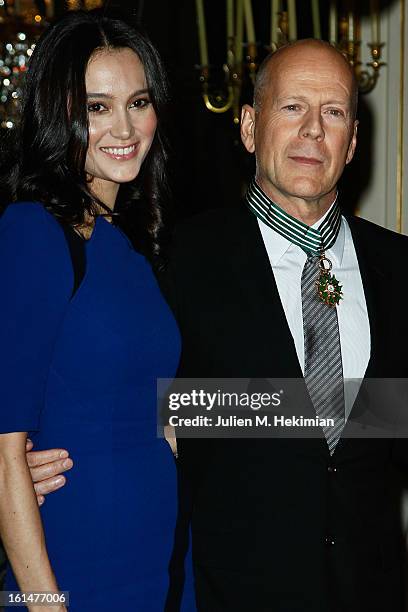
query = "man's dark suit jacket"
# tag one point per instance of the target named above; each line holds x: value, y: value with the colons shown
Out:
x: 277, y: 524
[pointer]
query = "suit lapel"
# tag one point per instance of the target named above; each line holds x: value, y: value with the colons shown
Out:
x: 373, y: 276
x: 249, y: 263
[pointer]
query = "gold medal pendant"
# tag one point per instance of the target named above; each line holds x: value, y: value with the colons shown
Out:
x: 328, y: 287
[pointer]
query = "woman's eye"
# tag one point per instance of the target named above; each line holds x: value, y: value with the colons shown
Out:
x: 95, y: 107
x: 98, y: 107
x: 141, y: 103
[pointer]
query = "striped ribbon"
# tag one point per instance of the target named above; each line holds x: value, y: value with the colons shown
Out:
x: 312, y: 241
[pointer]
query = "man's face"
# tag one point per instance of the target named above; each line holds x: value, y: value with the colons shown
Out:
x: 303, y: 132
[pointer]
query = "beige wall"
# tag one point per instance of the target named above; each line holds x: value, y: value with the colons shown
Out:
x: 383, y: 201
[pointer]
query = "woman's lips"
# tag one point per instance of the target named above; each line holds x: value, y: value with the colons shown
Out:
x: 309, y: 161
x: 118, y: 154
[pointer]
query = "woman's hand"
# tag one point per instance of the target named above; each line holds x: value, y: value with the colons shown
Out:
x: 46, y: 468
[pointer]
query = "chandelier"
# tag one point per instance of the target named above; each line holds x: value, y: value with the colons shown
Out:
x: 243, y: 48
x: 21, y: 24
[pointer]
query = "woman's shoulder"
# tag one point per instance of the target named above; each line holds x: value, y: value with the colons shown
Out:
x: 23, y: 217
x: 31, y: 227
x: 31, y: 237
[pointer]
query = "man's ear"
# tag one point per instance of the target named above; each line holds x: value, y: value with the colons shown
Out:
x: 353, y: 143
x: 248, y: 127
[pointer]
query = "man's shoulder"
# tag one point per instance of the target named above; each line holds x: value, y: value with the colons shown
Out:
x: 206, y: 240
x: 213, y: 218
x: 212, y: 227
x: 376, y: 237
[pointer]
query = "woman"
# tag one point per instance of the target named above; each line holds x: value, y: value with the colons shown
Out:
x: 85, y: 331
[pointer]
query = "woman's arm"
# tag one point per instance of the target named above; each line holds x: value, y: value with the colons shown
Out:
x: 20, y: 522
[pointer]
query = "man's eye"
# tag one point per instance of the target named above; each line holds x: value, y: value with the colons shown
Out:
x: 141, y: 103
x: 95, y: 107
x: 292, y: 107
x: 335, y: 112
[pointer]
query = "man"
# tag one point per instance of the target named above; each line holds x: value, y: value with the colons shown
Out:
x: 293, y: 525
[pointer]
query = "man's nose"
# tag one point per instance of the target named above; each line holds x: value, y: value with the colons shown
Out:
x: 312, y: 125
x: 122, y: 126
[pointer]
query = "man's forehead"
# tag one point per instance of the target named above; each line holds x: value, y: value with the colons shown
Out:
x: 302, y: 83
x: 321, y: 63
x: 295, y: 68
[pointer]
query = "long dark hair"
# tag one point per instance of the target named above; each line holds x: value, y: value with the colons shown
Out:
x: 52, y: 140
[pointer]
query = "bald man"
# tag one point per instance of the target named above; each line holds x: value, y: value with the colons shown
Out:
x: 293, y: 525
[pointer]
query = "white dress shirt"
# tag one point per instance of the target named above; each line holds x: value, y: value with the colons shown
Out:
x: 287, y: 261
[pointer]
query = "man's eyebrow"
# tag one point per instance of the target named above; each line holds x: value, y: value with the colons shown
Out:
x: 105, y: 96
x: 294, y: 97
x: 339, y: 102
x: 343, y: 102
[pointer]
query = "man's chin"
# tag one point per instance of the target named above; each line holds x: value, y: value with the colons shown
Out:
x: 306, y: 190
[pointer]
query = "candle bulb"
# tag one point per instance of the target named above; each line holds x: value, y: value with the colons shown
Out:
x: 230, y: 19
x: 49, y: 7
x: 239, y: 30
x: 317, y: 32
x: 274, y: 22
x: 375, y: 21
x: 249, y: 21
x: 350, y: 26
x: 292, y: 19
x: 333, y: 22
x: 202, y: 37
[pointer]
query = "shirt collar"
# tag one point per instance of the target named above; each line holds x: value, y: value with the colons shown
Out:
x: 279, y: 245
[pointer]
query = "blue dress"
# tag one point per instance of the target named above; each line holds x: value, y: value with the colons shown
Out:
x: 81, y: 374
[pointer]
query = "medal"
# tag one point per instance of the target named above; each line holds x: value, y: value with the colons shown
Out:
x: 328, y: 287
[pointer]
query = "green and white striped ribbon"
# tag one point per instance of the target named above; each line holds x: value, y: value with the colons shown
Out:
x: 312, y: 241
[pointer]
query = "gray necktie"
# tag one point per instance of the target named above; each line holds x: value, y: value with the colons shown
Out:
x: 323, y: 365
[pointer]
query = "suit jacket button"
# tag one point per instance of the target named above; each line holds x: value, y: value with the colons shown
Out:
x: 329, y: 540
x: 331, y: 469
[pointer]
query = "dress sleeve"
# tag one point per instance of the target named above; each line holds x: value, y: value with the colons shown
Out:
x: 35, y: 283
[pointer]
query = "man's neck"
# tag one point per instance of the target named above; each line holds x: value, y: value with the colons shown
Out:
x: 308, y: 211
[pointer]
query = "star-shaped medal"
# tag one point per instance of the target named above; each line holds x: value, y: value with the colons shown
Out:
x: 328, y: 287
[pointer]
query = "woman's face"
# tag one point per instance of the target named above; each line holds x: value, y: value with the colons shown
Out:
x: 122, y: 121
